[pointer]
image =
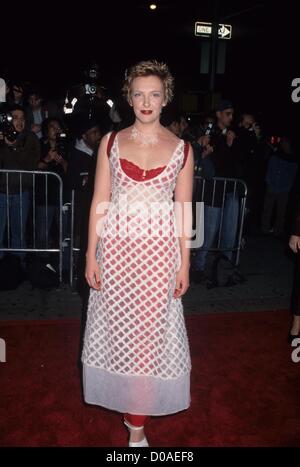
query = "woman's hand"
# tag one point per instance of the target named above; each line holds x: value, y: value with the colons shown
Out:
x: 10, y: 143
x: 204, y: 140
x: 51, y: 156
x: 294, y: 243
x: 92, y: 273
x: 230, y: 137
x: 207, y: 151
x: 182, y: 281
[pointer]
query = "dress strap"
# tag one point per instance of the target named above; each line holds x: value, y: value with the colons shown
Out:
x: 185, y: 152
x: 110, y: 142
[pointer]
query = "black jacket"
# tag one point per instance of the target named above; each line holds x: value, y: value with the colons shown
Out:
x: 79, y: 162
x: 23, y: 156
x: 226, y: 164
x: 52, y: 198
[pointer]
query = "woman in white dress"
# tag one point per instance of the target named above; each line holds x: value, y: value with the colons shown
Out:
x: 136, y: 357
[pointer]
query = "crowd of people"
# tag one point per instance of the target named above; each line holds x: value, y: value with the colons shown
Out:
x: 238, y: 148
x: 225, y: 145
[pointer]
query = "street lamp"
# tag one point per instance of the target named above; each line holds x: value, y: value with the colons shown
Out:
x: 153, y: 6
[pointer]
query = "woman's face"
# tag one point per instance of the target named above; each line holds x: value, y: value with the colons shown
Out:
x: 147, y: 98
x: 18, y: 92
x: 18, y: 120
x: 54, y: 130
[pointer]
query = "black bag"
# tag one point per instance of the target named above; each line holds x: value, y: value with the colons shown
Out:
x: 12, y: 273
x: 41, y: 273
x: 224, y: 273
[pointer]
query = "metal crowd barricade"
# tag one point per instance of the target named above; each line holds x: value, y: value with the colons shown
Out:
x: 34, y: 174
x: 73, y: 249
x: 237, y: 187
x: 205, y: 190
x: 72, y: 246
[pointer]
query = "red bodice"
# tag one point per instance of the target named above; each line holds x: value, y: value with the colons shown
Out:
x: 134, y: 171
x: 138, y: 174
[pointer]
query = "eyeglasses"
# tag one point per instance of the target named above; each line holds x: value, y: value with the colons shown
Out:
x: 18, y: 90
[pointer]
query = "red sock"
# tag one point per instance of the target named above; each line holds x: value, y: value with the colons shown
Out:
x: 136, y: 420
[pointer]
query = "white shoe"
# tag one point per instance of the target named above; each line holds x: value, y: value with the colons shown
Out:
x: 137, y: 444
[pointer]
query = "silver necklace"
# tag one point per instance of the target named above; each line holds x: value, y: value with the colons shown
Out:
x: 144, y: 140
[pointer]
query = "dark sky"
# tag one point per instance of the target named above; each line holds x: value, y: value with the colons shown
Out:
x: 52, y: 47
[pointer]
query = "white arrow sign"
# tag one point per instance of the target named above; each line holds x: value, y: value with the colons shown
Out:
x: 224, y: 31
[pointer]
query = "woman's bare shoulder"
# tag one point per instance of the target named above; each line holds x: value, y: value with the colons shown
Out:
x: 169, y: 138
x: 125, y: 132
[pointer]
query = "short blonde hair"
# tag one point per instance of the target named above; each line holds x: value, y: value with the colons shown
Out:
x: 150, y: 68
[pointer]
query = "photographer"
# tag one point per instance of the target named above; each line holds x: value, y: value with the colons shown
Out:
x: 249, y: 135
x: 53, y: 159
x: 19, y: 150
x: 252, y: 155
x: 221, y: 160
x: 91, y: 101
x: 83, y: 160
x: 52, y: 129
x: 281, y: 174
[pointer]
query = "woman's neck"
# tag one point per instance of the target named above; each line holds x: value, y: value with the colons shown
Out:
x: 145, y: 135
x: 152, y: 128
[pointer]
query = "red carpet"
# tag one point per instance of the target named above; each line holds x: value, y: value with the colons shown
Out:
x: 245, y: 388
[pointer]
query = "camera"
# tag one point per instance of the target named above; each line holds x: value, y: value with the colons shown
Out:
x: 61, y: 145
x: 92, y: 75
x: 83, y: 96
x: 7, y: 130
x: 255, y: 127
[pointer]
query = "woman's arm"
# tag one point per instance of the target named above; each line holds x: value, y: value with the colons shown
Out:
x: 63, y: 163
x: 101, y: 198
x: 183, y: 212
x: 44, y: 161
x: 42, y: 165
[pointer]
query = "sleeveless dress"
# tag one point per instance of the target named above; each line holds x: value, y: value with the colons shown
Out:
x: 136, y: 356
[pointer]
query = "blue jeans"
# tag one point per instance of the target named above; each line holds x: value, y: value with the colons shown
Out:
x: 43, y: 227
x: 17, y: 219
x: 212, y: 220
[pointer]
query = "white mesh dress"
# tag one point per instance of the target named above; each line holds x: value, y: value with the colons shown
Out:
x: 136, y: 356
